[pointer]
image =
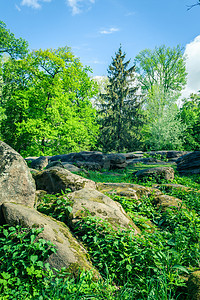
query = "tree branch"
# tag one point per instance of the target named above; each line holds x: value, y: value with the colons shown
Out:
x: 193, y: 5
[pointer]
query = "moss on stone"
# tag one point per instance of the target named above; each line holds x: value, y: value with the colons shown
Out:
x: 193, y: 285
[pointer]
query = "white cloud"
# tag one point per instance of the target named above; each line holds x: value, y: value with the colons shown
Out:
x: 192, y: 52
x: 109, y: 31
x: 78, y: 5
x: 33, y: 3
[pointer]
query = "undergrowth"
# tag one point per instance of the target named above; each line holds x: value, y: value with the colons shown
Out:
x: 154, y: 265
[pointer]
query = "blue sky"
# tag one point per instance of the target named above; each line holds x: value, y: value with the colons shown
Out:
x: 94, y: 29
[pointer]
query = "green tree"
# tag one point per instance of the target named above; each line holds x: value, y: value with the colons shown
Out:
x: 9, y: 47
x: 119, y: 116
x: 164, y: 129
x: 163, y: 67
x: 9, y: 44
x: 162, y: 76
x: 47, y: 104
x: 190, y: 114
x: 166, y: 132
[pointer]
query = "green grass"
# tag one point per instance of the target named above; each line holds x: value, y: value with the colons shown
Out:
x: 152, y: 266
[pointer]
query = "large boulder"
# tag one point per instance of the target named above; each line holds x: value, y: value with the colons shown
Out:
x: 132, y: 155
x: 169, y: 154
x: 145, y: 160
x: 90, y: 201
x: 133, y: 191
x: 16, y: 182
x: 166, y: 201
x: 93, y: 166
x: 172, y: 186
x: 117, y: 161
x: 55, y: 180
x: 93, y: 160
x: 70, y: 254
x: 157, y: 173
x: 71, y: 167
x: 39, y: 163
x: 189, y: 163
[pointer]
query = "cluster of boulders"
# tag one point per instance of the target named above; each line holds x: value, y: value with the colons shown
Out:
x: 20, y: 192
x: 187, y: 162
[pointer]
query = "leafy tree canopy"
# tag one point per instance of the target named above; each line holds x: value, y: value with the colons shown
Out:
x: 16, y: 48
x: 46, y: 98
x: 162, y: 66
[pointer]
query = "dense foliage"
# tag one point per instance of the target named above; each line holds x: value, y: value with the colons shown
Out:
x: 46, y: 98
x: 190, y: 114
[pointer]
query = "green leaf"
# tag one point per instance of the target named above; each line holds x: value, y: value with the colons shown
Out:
x: 5, y: 275
x: 33, y: 258
x: 129, y: 268
x: 181, y: 268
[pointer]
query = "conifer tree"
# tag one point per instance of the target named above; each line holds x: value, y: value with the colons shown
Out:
x: 119, y: 115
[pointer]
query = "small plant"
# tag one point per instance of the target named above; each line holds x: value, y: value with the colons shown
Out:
x: 57, y: 206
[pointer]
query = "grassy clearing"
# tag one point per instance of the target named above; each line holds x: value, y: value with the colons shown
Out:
x: 152, y: 266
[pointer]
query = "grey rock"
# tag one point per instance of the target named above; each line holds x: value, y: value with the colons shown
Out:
x: 99, y: 205
x: 117, y: 161
x: 39, y: 163
x: 70, y: 254
x: 16, y: 182
x: 189, y: 163
x: 55, y: 180
x: 86, y: 158
x: 54, y: 164
x: 71, y: 167
x: 132, y: 155
x: 158, y: 173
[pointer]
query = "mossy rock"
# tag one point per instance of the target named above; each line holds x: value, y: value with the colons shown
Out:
x: 193, y: 286
x: 166, y: 201
x: 132, y: 191
x: 70, y: 254
x: 92, y: 202
x: 55, y: 180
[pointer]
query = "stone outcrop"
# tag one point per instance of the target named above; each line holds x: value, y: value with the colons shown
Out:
x: 69, y: 253
x: 135, y: 191
x: 93, y: 160
x: 189, y: 163
x: 144, y: 160
x: 169, y: 154
x: 157, y: 173
x: 39, y: 163
x: 97, y: 204
x: 71, y: 167
x: 117, y: 161
x: 166, y: 201
x: 133, y: 155
x: 87, y: 159
x: 16, y: 182
x: 54, y: 164
x: 55, y: 180
x: 172, y: 186
x: 132, y: 191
